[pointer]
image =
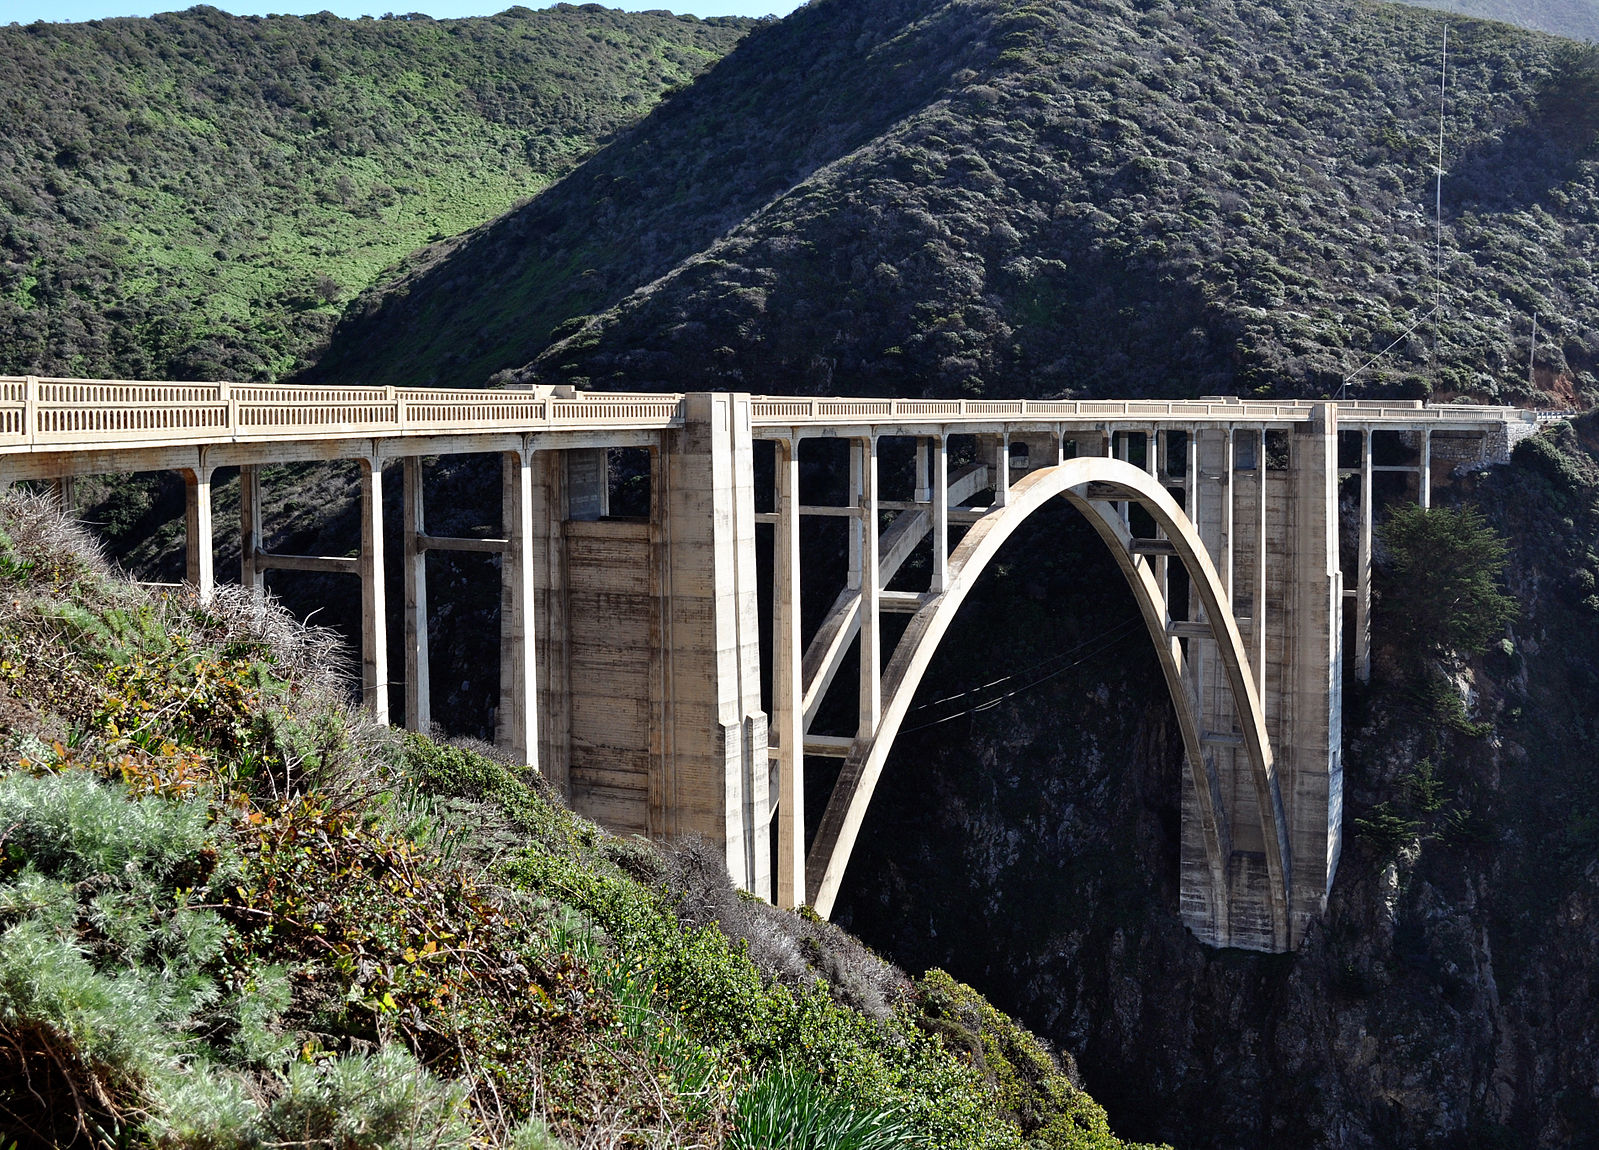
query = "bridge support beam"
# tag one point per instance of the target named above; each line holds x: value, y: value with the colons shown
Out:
x: 788, y: 713
x: 518, y: 732
x: 418, y: 682
x: 63, y: 488
x: 1312, y: 737
x: 1363, y: 565
x: 1258, y: 612
x: 251, y: 542
x: 199, y: 565
x: 255, y: 561
x: 866, y: 576
x: 712, y: 737
x: 939, y: 494
x: 1424, y: 472
x: 374, y: 615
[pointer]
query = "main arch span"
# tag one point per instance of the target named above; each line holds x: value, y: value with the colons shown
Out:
x: 630, y: 647
x: 1095, y: 486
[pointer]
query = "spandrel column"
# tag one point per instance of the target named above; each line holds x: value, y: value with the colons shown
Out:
x: 199, y: 552
x: 518, y: 730
x: 418, y: 701
x: 788, y: 718
x: 374, y: 628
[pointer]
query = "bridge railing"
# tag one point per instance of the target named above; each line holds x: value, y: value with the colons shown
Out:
x: 48, y: 413
x: 41, y: 412
x: 789, y: 411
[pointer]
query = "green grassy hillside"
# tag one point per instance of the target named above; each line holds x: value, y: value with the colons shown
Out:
x: 194, y: 195
x: 233, y: 914
x: 1047, y: 197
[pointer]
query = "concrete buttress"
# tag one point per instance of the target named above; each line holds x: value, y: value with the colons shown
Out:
x: 713, y: 736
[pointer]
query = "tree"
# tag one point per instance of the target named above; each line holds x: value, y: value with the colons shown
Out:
x: 1442, y: 589
x: 328, y: 289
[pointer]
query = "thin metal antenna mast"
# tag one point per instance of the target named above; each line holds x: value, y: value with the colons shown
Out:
x: 1438, y: 243
x: 1438, y: 203
x: 1532, y: 352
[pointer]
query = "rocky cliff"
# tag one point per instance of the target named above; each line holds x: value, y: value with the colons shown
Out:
x: 1446, y: 999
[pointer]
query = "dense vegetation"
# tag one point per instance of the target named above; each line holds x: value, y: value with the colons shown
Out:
x: 193, y: 195
x: 1443, y: 594
x: 235, y: 914
x: 1054, y: 197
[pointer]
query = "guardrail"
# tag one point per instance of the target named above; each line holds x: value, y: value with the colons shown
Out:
x: 787, y: 411
x: 38, y: 412
x: 44, y: 413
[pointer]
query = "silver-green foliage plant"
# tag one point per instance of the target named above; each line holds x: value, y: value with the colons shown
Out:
x: 103, y: 961
x: 110, y: 1016
x: 385, y: 1101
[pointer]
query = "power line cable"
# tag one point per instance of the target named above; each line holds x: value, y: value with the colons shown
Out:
x: 1438, y: 202
x: 991, y: 703
x: 1059, y: 655
x: 1421, y: 319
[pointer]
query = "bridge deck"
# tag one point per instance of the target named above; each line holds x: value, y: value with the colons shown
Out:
x: 43, y: 415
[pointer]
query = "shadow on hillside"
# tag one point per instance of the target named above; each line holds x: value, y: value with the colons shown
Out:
x: 1513, y: 169
x: 791, y: 98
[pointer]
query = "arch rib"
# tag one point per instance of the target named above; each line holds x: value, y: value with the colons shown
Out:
x: 1111, y: 480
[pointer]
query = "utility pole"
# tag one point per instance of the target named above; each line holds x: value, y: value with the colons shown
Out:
x: 1438, y: 203
x: 1532, y: 352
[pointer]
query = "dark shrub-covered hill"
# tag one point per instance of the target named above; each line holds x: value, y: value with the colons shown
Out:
x: 1046, y: 197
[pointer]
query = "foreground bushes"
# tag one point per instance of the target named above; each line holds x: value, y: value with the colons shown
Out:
x: 233, y: 914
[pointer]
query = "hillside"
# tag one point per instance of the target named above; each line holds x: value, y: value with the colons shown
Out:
x: 1055, y: 197
x: 195, y: 194
x: 1578, y: 19
x: 234, y: 914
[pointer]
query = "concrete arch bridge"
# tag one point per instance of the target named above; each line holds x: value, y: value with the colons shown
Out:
x: 630, y: 654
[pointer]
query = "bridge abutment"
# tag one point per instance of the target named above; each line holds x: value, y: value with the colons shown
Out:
x: 638, y: 637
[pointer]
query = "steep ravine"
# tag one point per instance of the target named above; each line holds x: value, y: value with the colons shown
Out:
x: 1447, y: 997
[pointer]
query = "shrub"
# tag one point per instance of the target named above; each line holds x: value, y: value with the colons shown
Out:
x: 789, y: 1109
x: 1441, y: 592
x: 105, y: 960
x: 385, y: 1101
x: 1569, y: 99
x: 1538, y: 453
x: 78, y: 1045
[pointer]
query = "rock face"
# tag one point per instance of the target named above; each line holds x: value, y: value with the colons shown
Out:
x: 1448, y: 997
